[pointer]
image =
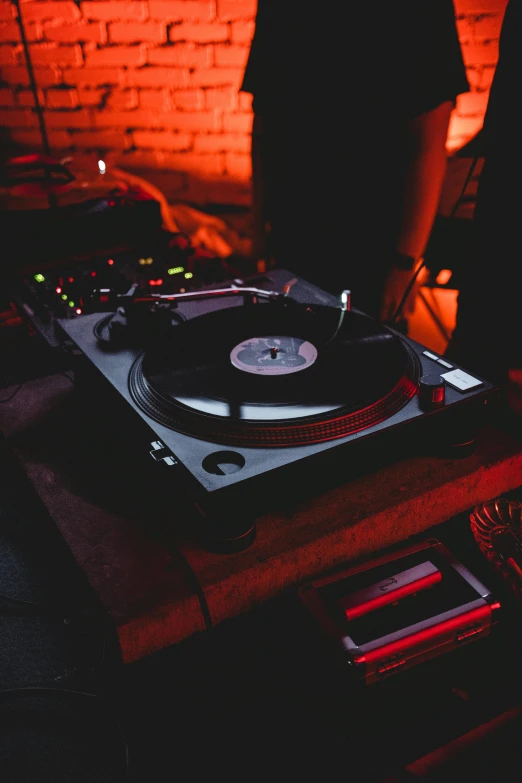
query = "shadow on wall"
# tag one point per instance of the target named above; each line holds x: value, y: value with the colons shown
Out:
x: 222, y: 230
x: 201, y: 180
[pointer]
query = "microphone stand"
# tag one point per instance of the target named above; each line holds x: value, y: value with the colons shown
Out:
x: 51, y: 197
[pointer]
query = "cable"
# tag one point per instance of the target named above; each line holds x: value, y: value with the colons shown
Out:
x: 407, y: 292
x: 205, y: 611
x: 435, y: 318
x: 465, y: 185
x: 97, y: 331
x: 451, y: 215
x: 15, y: 392
x: 39, y: 608
x: 100, y: 325
x: 11, y: 396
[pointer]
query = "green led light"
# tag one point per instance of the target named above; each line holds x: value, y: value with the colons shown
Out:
x: 71, y: 303
x: 64, y: 297
x: 39, y: 278
x: 188, y: 275
x: 175, y: 270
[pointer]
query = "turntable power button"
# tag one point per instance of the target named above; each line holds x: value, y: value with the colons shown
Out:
x: 432, y: 391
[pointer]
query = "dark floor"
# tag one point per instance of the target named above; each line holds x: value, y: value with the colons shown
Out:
x: 255, y: 697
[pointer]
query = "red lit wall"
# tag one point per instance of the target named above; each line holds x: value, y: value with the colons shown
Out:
x: 152, y: 85
x: 478, y: 23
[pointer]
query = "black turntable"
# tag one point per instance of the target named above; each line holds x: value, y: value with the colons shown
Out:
x: 248, y: 392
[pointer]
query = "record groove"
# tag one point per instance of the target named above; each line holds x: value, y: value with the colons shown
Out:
x: 364, y: 374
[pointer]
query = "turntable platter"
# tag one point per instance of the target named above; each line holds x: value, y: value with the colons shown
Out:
x: 270, y: 375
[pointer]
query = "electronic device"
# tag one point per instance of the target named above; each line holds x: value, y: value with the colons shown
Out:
x: 80, y: 236
x: 248, y: 394
x: 398, y: 610
x: 53, y: 211
x: 95, y: 281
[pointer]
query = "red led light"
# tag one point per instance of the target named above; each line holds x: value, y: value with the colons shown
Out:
x: 78, y: 311
x: 156, y: 282
x: 453, y: 624
x: 110, y: 261
x: 93, y: 274
x: 381, y: 600
x: 104, y: 298
x: 58, y: 290
x: 71, y: 280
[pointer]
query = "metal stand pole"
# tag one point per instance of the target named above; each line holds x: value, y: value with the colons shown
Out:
x: 32, y: 80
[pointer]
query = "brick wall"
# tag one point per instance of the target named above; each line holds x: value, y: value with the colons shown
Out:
x: 478, y: 24
x: 152, y: 85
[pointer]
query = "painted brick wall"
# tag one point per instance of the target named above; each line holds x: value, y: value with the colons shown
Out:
x: 479, y: 23
x: 152, y: 85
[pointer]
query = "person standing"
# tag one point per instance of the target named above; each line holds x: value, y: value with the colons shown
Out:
x: 351, y: 116
x: 488, y: 335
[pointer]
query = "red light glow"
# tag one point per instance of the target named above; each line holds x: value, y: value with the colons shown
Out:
x: 386, y: 598
x: 78, y: 310
x: 156, y: 282
x: 58, y: 290
x: 71, y: 280
x: 443, y: 277
x: 111, y: 261
x: 478, y: 615
x: 93, y: 274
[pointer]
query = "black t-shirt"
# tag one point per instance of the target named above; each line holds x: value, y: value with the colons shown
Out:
x: 488, y: 335
x: 336, y: 86
x: 498, y: 207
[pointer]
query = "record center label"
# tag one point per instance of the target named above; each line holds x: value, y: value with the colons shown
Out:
x: 273, y: 355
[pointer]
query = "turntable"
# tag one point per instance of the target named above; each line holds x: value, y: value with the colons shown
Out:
x: 266, y: 388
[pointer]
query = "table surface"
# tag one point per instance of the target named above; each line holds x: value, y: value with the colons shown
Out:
x: 161, y: 592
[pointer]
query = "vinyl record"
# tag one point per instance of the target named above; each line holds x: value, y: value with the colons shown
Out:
x: 274, y: 375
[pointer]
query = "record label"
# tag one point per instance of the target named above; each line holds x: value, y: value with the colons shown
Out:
x: 273, y: 355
